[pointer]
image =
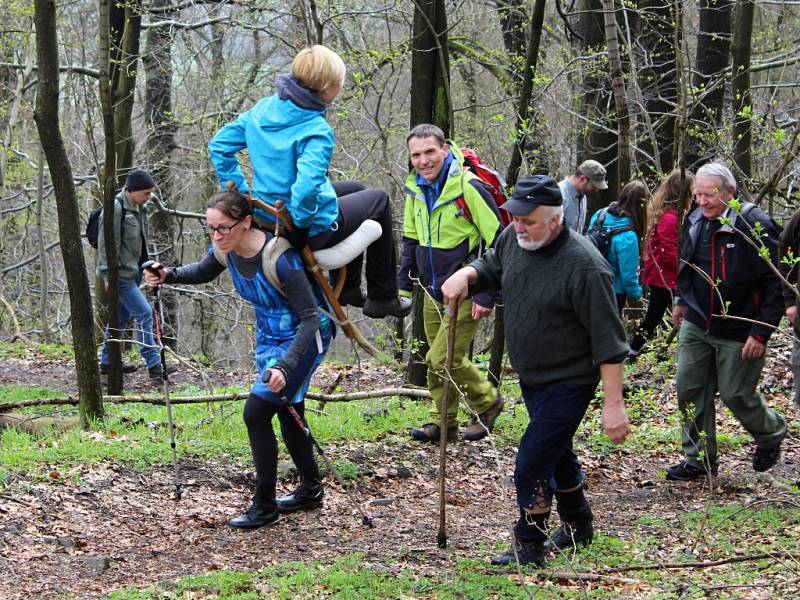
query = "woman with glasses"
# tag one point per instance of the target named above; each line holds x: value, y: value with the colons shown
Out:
x: 292, y: 337
x: 290, y: 145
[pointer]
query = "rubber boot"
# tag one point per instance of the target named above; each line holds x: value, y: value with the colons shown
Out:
x: 263, y: 511
x: 306, y: 497
x: 576, y: 521
x: 530, y: 533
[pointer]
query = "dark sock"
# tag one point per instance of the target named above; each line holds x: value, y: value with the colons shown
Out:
x: 531, y: 527
x: 572, y: 506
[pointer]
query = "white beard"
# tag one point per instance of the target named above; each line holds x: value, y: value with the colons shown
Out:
x: 527, y: 244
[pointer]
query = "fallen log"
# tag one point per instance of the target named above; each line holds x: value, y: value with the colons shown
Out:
x: 345, y: 397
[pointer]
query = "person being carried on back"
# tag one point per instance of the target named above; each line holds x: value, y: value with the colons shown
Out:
x: 290, y: 146
x: 438, y: 239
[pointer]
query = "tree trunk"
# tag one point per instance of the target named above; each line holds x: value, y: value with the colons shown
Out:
x: 430, y: 103
x: 109, y: 185
x: 620, y: 97
x: 157, y: 62
x: 713, y: 46
x: 47, y: 121
x: 596, y: 142
x: 657, y: 79
x: 44, y: 272
x: 125, y: 84
x: 741, y: 101
x: 430, y: 66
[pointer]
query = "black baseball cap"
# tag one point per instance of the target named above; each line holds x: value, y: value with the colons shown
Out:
x: 533, y: 191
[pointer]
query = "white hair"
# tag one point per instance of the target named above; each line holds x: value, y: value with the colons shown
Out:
x: 552, y: 211
x: 718, y: 171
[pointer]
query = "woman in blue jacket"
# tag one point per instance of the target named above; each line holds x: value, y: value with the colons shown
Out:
x: 290, y: 145
x: 631, y: 211
x: 292, y: 337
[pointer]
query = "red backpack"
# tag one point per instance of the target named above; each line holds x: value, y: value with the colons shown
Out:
x: 494, y: 182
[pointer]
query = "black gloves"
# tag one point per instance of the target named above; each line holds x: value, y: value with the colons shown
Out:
x: 297, y: 237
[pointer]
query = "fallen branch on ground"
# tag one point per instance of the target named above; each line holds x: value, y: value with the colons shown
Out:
x: 348, y: 397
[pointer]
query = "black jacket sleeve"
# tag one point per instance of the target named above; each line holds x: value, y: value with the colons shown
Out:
x: 205, y: 270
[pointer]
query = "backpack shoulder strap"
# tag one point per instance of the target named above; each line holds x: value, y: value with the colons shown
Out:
x: 274, y: 249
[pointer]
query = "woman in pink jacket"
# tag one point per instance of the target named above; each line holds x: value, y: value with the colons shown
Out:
x: 661, y: 255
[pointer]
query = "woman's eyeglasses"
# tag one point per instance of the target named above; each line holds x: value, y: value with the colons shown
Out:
x: 222, y: 229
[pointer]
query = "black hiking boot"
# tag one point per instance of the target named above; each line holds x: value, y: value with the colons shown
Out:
x: 352, y: 297
x: 396, y: 307
x: 527, y: 553
x: 764, y: 459
x: 261, y: 513
x: 156, y: 373
x: 683, y: 471
x: 126, y: 368
x: 306, y: 497
x: 569, y: 535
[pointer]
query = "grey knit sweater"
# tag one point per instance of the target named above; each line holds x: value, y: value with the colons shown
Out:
x: 561, y: 318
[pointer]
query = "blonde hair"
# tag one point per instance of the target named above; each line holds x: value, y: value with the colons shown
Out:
x: 318, y: 68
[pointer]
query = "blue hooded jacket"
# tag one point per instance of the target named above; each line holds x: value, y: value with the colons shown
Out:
x: 623, y: 256
x: 290, y: 145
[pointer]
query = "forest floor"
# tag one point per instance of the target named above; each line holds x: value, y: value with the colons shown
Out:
x: 108, y: 526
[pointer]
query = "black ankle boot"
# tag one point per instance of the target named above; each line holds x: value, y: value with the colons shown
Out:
x: 306, y: 497
x: 527, y: 548
x: 263, y: 511
x: 576, y: 521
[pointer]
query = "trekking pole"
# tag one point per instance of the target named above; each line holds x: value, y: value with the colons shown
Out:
x: 441, y: 538
x: 157, y: 314
x: 366, y: 519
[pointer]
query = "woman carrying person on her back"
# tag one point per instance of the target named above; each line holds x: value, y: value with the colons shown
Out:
x: 660, y: 271
x: 629, y: 211
x: 292, y: 337
x: 290, y: 145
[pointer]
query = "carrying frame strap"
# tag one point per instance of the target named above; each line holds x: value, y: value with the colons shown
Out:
x: 282, y: 219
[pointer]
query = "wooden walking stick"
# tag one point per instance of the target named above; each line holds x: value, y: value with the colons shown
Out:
x: 441, y: 538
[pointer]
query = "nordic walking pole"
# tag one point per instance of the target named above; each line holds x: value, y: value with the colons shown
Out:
x: 366, y: 519
x: 157, y: 314
x: 441, y: 538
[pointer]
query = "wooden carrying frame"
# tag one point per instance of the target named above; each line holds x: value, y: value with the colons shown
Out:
x: 283, y: 219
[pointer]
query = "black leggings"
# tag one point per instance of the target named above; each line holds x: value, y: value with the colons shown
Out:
x: 356, y: 205
x: 659, y: 300
x: 258, y: 415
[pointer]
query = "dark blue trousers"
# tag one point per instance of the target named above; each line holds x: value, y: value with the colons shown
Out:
x: 545, y: 460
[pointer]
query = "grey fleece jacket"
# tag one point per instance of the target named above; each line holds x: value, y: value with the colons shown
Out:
x: 561, y: 319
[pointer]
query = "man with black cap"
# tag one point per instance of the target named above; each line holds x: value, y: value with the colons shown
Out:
x: 130, y: 235
x: 589, y: 178
x: 563, y: 335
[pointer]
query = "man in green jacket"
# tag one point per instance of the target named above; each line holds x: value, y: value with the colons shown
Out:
x: 450, y: 219
x: 130, y: 234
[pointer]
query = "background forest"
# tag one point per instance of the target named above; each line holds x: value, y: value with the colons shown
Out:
x: 90, y: 90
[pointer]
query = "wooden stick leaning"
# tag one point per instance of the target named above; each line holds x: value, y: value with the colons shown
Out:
x: 350, y: 330
x: 441, y: 538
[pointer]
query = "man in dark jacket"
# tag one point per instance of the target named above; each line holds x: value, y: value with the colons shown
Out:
x: 130, y: 235
x: 563, y: 334
x: 450, y: 217
x: 789, y: 254
x: 727, y: 306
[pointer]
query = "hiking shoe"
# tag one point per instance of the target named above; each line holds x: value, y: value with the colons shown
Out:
x: 477, y: 430
x: 396, y: 307
x: 157, y: 373
x: 569, y: 535
x: 257, y: 515
x: 306, y: 497
x: 126, y: 368
x: 526, y: 552
x: 430, y: 433
x: 352, y: 297
x: 683, y: 471
x: 765, y: 458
